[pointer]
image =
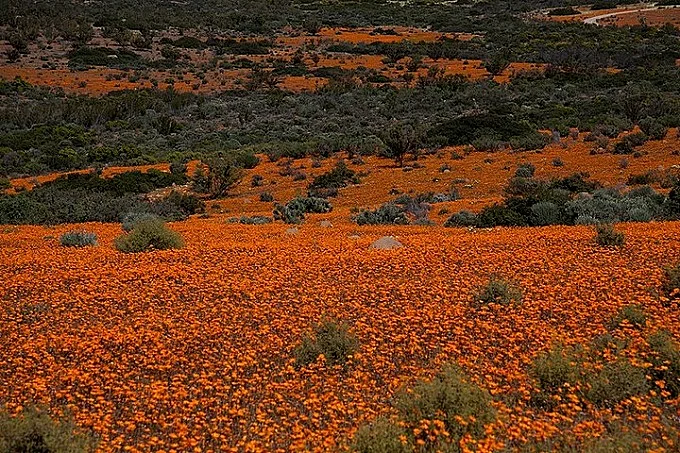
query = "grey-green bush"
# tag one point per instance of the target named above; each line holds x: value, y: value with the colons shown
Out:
x: 461, y: 219
x: 132, y: 218
x: 78, y: 239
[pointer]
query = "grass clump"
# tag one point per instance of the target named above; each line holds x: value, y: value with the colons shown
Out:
x: 78, y: 239
x: 498, y: 290
x: 34, y: 431
x: 607, y: 236
x: 330, y: 338
x: 149, y: 235
x: 634, y: 315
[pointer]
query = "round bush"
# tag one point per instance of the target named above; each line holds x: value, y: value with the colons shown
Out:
x: 149, y: 235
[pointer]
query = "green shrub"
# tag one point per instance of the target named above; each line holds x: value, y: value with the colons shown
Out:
x: 499, y: 215
x: 632, y: 314
x: 498, y: 291
x: 616, y: 382
x: 148, y: 235
x: 380, y: 436
x: 665, y: 360
x: 330, y: 338
x: 387, y: 214
x: 340, y: 176
x: 34, y: 431
x: 607, y: 236
x: 266, y: 197
x: 461, y: 219
x: 653, y: 128
x: 525, y: 170
x: 554, y: 368
x: 78, y: 239
x: 451, y: 397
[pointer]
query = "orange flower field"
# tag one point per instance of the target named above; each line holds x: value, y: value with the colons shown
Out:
x: 191, y: 350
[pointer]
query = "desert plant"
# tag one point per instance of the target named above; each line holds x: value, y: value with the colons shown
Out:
x: 294, y: 211
x: 380, y: 436
x: 525, y: 170
x: 671, y: 282
x: 131, y: 218
x: 616, y: 382
x: 554, y: 368
x: 78, y: 239
x: 34, y: 431
x: 340, y: 176
x: 461, y: 219
x: 266, y: 197
x: 149, y: 235
x: 499, y: 291
x: 634, y: 315
x: 607, y: 236
x: 329, y: 338
x: 665, y: 359
x: 254, y: 220
x: 450, y: 397
x: 387, y: 214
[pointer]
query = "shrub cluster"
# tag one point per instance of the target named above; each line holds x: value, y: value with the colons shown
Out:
x: 294, y: 211
x: 78, y: 239
x: 570, y: 201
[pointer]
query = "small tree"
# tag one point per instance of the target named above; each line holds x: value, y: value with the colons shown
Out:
x: 401, y: 139
x: 222, y: 175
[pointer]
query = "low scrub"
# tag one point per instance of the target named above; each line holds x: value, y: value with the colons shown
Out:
x: 78, y: 239
x: 616, y: 382
x: 633, y: 315
x: 555, y: 368
x: 328, y: 183
x: 387, y: 214
x: 461, y: 219
x: 607, y: 236
x: 294, y: 211
x: 665, y: 359
x: 149, y: 235
x: 329, y: 338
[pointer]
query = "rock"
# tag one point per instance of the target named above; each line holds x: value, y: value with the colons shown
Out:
x: 386, y: 243
x: 292, y: 231
x: 325, y: 224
